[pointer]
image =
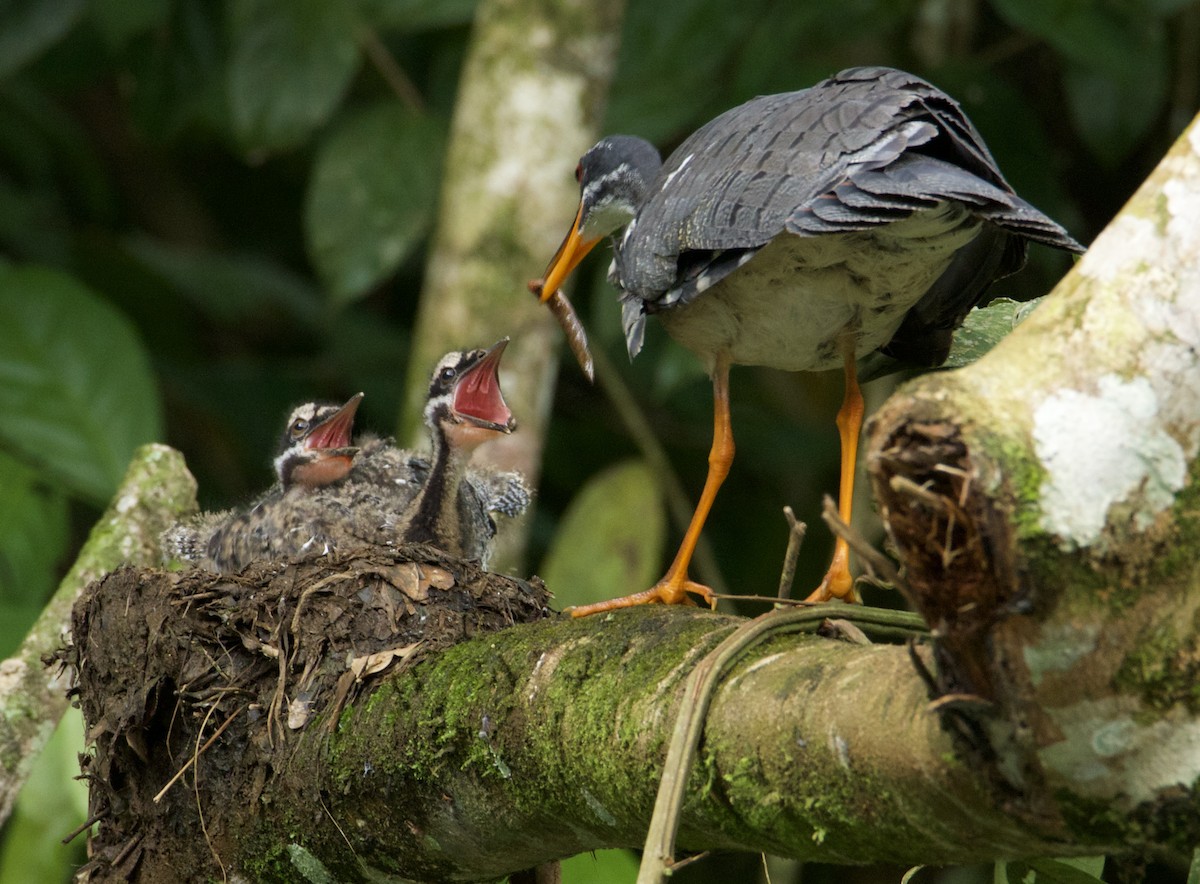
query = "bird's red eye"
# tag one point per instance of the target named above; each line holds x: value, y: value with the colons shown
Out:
x: 579, y: 172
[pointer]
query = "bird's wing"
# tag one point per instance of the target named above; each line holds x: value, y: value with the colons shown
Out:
x: 863, y: 148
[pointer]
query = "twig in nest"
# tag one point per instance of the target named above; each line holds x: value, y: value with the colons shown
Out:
x: 84, y: 826
x: 796, y: 532
x: 195, y: 759
x: 129, y: 847
x: 953, y: 511
x: 879, y: 566
x: 957, y: 702
x: 200, y: 751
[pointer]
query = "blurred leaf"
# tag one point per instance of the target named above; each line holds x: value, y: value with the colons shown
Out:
x: 372, y: 196
x: 230, y: 287
x: 600, y: 867
x: 1076, y: 870
x: 32, y: 225
x: 76, y: 389
x: 179, y: 77
x: 52, y: 803
x: 670, y: 61
x: 291, y: 63
x: 50, y: 157
x: 29, y: 27
x: 1117, y: 71
x: 33, y: 537
x: 1114, y: 111
x: 833, y: 35
x: 610, y: 540
x: 119, y: 21
x: 417, y: 15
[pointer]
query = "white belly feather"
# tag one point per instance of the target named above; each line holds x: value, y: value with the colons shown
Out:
x: 788, y: 305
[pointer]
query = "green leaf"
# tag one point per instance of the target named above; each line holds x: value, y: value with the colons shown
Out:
x: 1075, y: 870
x: 51, y: 804
x: 1113, y: 110
x: 291, y: 63
x: 1117, y: 71
x: 984, y: 327
x: 230, y: 287
x: 610, y: 540
x: 180, y: 77
x: 76, y: 389
x: 33, y: 537
x: 119, y: 21
x: 600, y: 867
x: 418, y: 15
x: 372, y: 196
x: 29, y: 27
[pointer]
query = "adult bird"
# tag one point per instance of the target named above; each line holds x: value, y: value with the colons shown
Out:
x: 802, y: 231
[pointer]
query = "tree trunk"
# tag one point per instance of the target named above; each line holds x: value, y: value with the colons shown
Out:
x: 1046, y: 505
x: 532, y: 95
x: 157, y: 490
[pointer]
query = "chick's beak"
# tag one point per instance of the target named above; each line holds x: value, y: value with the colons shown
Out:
x: 335, y: 430
x: 477, y: 395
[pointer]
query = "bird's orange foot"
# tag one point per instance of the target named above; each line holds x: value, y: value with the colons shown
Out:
x: 838, y: 584
x: 668, y: 591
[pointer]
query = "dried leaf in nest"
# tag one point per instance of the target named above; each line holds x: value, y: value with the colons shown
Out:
x: 375, y: 663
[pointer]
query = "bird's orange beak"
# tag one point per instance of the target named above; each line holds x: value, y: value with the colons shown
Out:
x: 335, y: 430
x: 573, y: 250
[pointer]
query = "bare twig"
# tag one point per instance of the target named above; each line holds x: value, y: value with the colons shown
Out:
x: 880, y: 567
x: 796, y: 530
x: 200, y: 751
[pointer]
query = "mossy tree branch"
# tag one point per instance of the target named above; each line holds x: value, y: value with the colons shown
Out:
x: 1045, y: 504
x: 1046, y: 507
x: 157, y: 489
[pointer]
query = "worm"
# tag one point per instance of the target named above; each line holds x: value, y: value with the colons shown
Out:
x: 571, y: 326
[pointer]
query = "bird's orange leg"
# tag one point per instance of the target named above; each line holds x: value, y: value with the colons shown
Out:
x: 673, y: 589
x: 837, y: 582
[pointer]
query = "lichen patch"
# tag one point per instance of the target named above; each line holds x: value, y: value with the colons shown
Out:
x: 1102, y: 449
x: 1105, y: 752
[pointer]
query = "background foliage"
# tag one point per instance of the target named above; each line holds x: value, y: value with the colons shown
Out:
x: 210, y: 210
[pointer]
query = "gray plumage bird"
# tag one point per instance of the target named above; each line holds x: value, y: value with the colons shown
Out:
x: 465, y: 408
x: 372, y: 497
x: 803, y: 231
x: 292, y: 517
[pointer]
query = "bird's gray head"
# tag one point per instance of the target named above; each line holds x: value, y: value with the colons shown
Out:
x: 315, y: 450
x: 614, y: 180
x: 465, y: 400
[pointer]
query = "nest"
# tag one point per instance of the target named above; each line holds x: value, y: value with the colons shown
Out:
x: 193, y: 685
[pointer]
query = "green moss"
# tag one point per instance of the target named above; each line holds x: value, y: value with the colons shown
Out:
x: 1178, y: 558
x: 1024, y: 477
x: 1164, y: 667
